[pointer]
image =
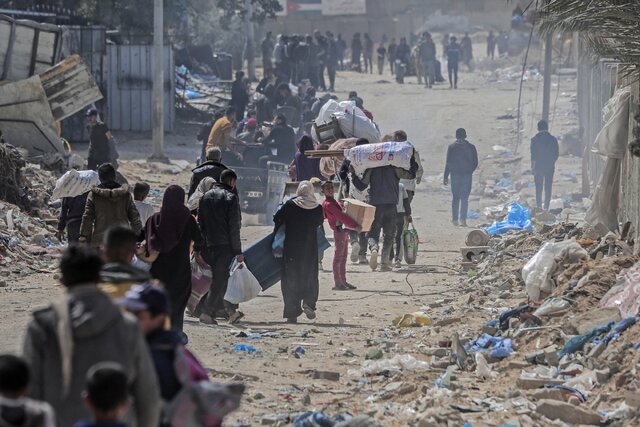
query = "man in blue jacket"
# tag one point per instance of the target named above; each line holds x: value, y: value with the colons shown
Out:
x: 544, y: 154
x: 462, y: 161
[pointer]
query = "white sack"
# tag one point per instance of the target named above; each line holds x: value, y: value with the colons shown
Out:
x: 370, y: 156
x: 242, y: 286
x: 74, y: 183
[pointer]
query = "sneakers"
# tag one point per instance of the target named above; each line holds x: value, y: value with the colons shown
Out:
x: 373, y: 260
x: 309, y: 312
x: 463, y: 223
x: 455, y: 222
x: 398, y: 264
x: 385, y: 268
x: 362, y: 260
x: 350, y: 286
x: 355, y: 252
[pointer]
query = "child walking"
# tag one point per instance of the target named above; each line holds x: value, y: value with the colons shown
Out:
x: 339, y: 222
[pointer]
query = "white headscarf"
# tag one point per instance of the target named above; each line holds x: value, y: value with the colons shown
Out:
x: 205, y: 185
x: 306, y: 196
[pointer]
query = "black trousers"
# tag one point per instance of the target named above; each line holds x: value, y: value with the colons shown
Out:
x: 544, y: 181
x: 460, y: 189
x: 397, y: 249
x: 73, y: 230
x: 384, y: 221
x: 331, y: 71
x: 219, y: 258
x: 453, y: 73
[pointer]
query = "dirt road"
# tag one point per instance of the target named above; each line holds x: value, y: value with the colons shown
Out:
x: 349, y: 324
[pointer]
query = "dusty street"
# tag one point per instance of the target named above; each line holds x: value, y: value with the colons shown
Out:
x: 280, y: 380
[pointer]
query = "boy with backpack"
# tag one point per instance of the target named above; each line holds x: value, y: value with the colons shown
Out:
x: 16, y: 410
x: 339, y: 222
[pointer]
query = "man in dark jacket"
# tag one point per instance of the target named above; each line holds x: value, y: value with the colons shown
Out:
x: 220, y: 220
x: 239, y: 95
x: 101, y: 143
x: 71, y: 213
x: 85, y: 327
x: 384, y: 191
x: 282, y: 139
x: 212, y: 168
x: 544, y: 154
x: 462, y: 161
x: 108, y: 204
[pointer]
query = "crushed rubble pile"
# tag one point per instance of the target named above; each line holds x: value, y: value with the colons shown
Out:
x: 28, y: 223
x: 493, y: 355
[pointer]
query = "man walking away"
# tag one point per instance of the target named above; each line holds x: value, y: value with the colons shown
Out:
x: 382, y: 53
x: 544, y: 154
x: 410, y: 184
x: 71, y: 213
x: 427, y: 55
x: 108, y: 204
x: 212, y: 168
x: 403, y: 217
x: 391, y: 53
x: 467, y: 51
x: 384, y: 188
x: 491, y: 45
x: 333, y: 56
x: 101, y: 143
x: 85, y: 327
x: 462, y: 161
x: 220, y: 220
x: 17, y: 410
x: 453, y: 53
x: 239, y: 95
x: 356, y: 52
x: 267, y: 50
x: 368, y: 54
x: 341, y: 45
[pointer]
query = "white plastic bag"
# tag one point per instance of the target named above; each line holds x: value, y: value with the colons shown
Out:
x: 242, y: 286
x: 352, y: 120
x: 538, y: 272
x: 74, y: 183
x: 363, y: 157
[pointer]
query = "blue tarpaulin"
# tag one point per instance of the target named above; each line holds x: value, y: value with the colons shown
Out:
x: 518, y: 218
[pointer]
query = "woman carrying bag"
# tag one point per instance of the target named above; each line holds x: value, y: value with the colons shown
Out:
x: 301, y: 217
x: 169, y: 234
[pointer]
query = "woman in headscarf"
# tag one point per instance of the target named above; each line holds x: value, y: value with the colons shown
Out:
x: 194, y: 201
x: 301, y: 217
x: 306, y: 167
x: 169, y: 234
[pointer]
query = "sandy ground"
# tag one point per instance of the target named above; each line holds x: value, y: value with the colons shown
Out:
x: 348, y: 323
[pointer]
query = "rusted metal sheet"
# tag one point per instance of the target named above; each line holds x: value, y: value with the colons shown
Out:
x: 69, y: 87
x: 27, y: 48
x: 26, y: 119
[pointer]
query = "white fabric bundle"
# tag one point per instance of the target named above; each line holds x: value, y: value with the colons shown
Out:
x: 74, y: 183
x: 368, y: 156
x: 352, y: 120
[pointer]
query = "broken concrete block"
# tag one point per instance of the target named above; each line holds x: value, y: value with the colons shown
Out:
x: 567, y: 412
x: 326, y: 375
x: 585, y: 322
x: 603, y: 375
x: 551, y: 355
x: 632, y: 398
x: 526, y: 383
x: 549, y: 393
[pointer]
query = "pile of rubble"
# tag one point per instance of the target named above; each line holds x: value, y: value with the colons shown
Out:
x: 28, y: 222
x: 494, y: 355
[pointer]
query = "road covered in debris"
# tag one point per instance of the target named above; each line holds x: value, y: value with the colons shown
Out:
x: 443, y: 342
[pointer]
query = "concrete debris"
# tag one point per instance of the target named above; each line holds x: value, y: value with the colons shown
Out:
x: 567, y: 412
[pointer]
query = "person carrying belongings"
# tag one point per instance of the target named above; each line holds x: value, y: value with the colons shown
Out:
x: 340, y: 223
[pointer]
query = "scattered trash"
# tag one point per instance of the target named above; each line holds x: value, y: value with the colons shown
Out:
x: 245, y: 348
x: 374, y: 354
x: 417, y: 318
x: 499, y: 347
x: 482, y: 367
x: 398, y: 363
x: 518, y: 218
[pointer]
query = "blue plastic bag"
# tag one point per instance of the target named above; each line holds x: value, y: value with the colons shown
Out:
x: 518, y: 218
x: 499, y: 347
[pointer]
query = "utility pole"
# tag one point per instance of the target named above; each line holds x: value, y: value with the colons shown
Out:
x: 249, y: 51
x: 546, y: 91
x: 157, y: 101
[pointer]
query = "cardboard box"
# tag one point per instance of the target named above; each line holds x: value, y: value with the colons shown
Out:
x: 363, y: 213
